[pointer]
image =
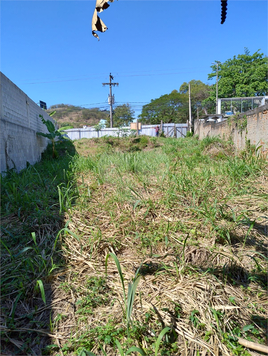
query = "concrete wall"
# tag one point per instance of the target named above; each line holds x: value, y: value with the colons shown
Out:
x: 149, y: 130
x: 19, y: 122
x: 254, y: 128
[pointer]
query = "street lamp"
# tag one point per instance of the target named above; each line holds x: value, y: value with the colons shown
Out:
x: 217, y: 64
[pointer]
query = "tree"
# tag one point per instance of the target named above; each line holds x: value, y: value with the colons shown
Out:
x: 168, y: 108
x: 199, y: 92
x: 174, y: 107
x: 241, y: 76
x: 123, y: 116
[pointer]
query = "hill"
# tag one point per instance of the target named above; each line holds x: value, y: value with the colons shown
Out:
x: 76, y: 116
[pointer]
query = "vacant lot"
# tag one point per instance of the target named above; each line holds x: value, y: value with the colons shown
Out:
x: 136, y: 246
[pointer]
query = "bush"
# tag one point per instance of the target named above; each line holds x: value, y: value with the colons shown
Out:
x: 189, y: 134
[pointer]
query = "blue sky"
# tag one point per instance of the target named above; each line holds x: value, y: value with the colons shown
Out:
x: 150, y: 47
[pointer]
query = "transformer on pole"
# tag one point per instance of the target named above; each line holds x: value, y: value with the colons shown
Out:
x: 111, y: 98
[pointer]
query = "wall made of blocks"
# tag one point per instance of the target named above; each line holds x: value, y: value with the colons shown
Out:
x: 253, y: 128
x: 19, y: 123
x: 257, y: 127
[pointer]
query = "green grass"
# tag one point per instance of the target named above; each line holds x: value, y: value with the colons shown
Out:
x: 31, y: 219
x: 174, y: 214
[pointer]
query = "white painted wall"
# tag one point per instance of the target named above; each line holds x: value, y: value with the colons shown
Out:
x: 19, y: 122
x: 149, y: 130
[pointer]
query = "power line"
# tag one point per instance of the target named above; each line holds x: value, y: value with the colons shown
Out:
x: 133, y: 102
x: 92, y: 104
x: 153, y: 73
x: 103, y: 105
x: 149, y: 75
x: 118, y: 102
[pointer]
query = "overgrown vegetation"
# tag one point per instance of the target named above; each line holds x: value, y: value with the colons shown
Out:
x: 185, y: 222
x: 53, y: 134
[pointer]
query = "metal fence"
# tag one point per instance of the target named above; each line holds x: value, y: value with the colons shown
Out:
x: 170, y: 130
x: 230, y: 106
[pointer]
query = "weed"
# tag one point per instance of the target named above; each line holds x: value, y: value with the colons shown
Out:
x: 52, y: 135
x: 97, y: 294
x: 186, y: 225
x: 129, y: 300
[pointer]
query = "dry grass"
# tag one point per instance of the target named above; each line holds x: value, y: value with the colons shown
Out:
x: 206, y: 288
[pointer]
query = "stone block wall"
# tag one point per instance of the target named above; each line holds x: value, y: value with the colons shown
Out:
x: 19, y: 122
x: 251, y: 126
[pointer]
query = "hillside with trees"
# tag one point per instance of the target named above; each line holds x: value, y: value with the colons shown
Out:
x: 77, y: 116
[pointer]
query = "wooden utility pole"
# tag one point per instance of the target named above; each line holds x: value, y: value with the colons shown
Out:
x: 111, y: 98
x: 190, y: 109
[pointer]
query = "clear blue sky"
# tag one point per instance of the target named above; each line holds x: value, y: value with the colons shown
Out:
x: 150, y: 47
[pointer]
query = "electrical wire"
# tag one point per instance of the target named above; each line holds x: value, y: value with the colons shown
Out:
x: 131, y: 74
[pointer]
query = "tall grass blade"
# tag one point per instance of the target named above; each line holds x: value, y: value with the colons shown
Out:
x: 14, y: 307
x: 39, y: 284
x: 119, y: 347
x: 23, y: 250
x: 102, y: 349
x: 72, y: 234
x: 158, y: 341
x: 65, y: 229
x: 60, y: 199
x: 131, y: 296
x: 135, y: 349
x: 5, y: 246
x: 250, y: 228
x: 34, y: 238
x: 119, y: 271
x: 86, y: 353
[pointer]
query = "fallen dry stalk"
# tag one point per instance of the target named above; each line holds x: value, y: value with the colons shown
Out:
x: 253, y: 345
x: 33, y: 330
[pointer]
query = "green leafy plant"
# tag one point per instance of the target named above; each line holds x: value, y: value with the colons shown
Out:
x: 129, y: 351
x: 99, y: 127
x: 193, y: 318
x: 160, y: 336
x: 52, y: 135
x: 189, y: 134
x: 97, y: 294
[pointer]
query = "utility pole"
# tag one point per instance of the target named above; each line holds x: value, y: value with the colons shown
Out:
x: 190, y: 109
x: 217, y: 64
x: 111, y: 98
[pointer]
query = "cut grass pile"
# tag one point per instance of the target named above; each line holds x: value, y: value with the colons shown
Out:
x: 139, y: 245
